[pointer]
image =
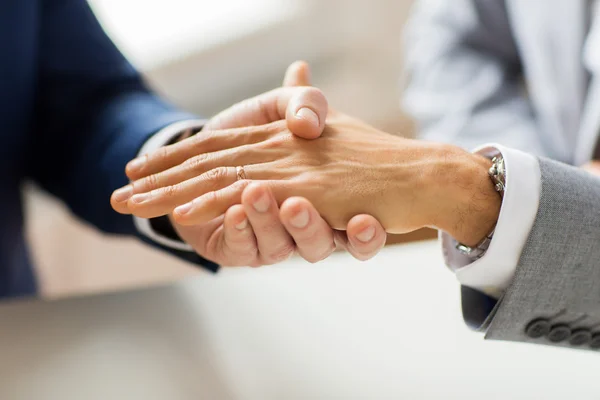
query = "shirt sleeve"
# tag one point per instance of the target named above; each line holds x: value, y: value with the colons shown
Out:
x: 160, y: 139
x: 494, y: 271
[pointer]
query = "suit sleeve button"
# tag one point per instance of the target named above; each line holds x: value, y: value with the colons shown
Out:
x: 580, y: 337
x: 537, y: 328
x: 558, y: 333
x: 595, y: 342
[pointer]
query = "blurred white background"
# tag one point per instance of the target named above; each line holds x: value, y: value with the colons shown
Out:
x: 206, y: 55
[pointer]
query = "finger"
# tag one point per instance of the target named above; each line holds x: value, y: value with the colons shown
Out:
x: 305, y: 109
x: 297, y: 74
x: 162, y: 201
x: 313, y: 236
x: 210, y: 205
x: 365, y: 237
x: 168, y: 183
x: 238, y: 245
x: 204, y: 142
x: 190, y: 169
x: 274, y: 242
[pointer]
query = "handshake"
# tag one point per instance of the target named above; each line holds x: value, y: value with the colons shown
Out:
x: 283, y: 173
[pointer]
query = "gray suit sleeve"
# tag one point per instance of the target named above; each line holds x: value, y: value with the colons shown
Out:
x: 555, y: 295
x: 464, y: 79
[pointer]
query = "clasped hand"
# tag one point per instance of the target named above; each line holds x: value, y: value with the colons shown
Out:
x: 256, y: 231
x: 350, y: 169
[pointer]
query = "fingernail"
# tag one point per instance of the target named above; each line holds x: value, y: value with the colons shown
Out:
x: 300, y: 220
x: 366, y: 235
x: 123, y: 194
x: 308, y: 115
x: 184, y: 209
x: 242, y: 225
x: 136, y: 164
x: 262, y: 204
x: 140, y: 198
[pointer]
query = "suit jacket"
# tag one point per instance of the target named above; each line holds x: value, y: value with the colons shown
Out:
x: 73, y: 111
x: 525, y: 74
x: 519, y: 73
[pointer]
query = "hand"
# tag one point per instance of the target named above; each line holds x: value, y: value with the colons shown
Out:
x: 244, y: 236
x: 593, y: 167
x: 352, y: 168
x: 274, y: 234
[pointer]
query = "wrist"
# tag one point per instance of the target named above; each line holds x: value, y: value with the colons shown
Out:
x: 470, y: 203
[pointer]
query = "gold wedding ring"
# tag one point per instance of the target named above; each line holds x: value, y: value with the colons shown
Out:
x: 241, y: 174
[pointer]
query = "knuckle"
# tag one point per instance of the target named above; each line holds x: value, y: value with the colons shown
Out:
x: 216, y: 174
x: 311, y: 91
x: 150, y: 182
x: 315, y: 95
x: 276, y: 142
x: 201, y: 142
x: 271, y: 129
x: 170, y: 191
x: 210, y: 198
x: 241, y: 185
x: 239, y: 251
x: 240, y: 245
x: 267, y: 113
x: 277, y: 125
x: 281, y: 253
x: 215, y: 177
x: 196, y: 163
x: 160, y: 155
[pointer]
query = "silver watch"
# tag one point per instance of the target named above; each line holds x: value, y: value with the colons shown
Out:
x: 497, y: 174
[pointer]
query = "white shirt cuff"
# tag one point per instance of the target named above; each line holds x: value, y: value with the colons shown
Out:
x: 493, y: 273
x: 160, y: 139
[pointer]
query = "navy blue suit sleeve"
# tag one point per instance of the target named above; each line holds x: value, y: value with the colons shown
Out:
x: 93, y: 115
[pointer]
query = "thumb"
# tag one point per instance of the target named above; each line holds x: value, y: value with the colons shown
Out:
x: 306, y: 113
x: 304, y: 109
x: 297, y: 74
x: 305, y: 117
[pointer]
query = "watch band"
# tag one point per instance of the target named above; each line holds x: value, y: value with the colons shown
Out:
x: 477, y: 251
x: 497, y: 174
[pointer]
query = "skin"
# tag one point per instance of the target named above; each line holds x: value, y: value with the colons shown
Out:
x: 352, y: 168
x: 245, y: 234
x: 592, y: 167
